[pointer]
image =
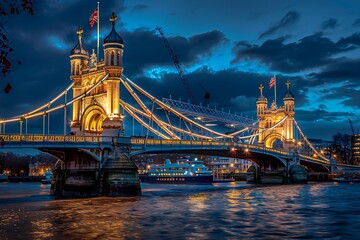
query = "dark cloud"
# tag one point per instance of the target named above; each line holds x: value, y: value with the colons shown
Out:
x: 140, y: 7
x: 319, y: 114
x: 307, y: 53
x: 331, y: 23
x: 289, y: 19
x: 145, y: 48
x: 356, y: 23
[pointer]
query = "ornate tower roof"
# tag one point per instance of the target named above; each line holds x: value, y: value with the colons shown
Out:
x: 113, y: 36
x: 261, y: 97
x: 79, y: 48
x: 288, y: 93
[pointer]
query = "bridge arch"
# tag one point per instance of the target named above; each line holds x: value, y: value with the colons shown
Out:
x: 258, y: 157
x: 93, y: 118
x: 271, y: 139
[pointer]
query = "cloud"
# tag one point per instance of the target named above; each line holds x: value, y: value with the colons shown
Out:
x: 319, y: 114
x: 140, y: 7
x: 289, y: 19
x: 356, y: 23
x: 145, y: 49
x: 243, y: 102
x: 308, y: 53
x: 330, y: 23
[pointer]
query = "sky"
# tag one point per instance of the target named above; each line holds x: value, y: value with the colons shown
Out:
x: 227, y: 48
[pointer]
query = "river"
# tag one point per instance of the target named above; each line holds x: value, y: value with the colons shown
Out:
x: 220, y: 211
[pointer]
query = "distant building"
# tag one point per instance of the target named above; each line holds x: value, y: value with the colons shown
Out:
x: 355, y: 148
x: 38, y: 169
x: 223, y: 168
x: 322, y: 146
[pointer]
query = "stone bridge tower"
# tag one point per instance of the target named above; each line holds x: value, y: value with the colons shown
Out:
x: 99, y: 111
x: 269, y: 117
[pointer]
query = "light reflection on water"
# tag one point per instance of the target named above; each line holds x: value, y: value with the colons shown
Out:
x: 219, y: 211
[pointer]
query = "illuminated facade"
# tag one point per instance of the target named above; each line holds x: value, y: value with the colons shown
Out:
x: 270, y: 116
x: 355, y: 149
x: 99, y: 111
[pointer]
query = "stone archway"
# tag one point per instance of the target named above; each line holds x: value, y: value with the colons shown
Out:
x: 93, y: 118
x: 272, y: 138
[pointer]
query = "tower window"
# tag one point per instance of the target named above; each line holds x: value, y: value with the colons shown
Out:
x: 77, y: 70
x: 112, y: 59
x: 118, y: 59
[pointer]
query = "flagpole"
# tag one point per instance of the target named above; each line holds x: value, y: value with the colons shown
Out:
x: 98, y: 30
x: 275, y: 89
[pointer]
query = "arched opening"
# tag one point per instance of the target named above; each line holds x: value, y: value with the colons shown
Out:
x: 112, y: 58
x: 77, y: 69
x: 274, y: 141
x: 92, y: 119
x: 118, y: 58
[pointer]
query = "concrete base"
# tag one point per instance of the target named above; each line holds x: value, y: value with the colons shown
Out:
x: 120, y: 177
x: 252, y: 175
x: 121, y: 183
x: 81, y: 176
x: 298, y: 174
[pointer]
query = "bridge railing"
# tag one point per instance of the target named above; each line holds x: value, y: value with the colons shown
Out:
x: 16, y: 138
x: 143, y: 141
x: 167, y: 142
x: 314, y: 159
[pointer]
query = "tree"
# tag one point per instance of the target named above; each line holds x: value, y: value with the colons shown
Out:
x: 6, y: 50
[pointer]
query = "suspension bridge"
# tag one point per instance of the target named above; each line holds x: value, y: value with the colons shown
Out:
x: 95, y: 155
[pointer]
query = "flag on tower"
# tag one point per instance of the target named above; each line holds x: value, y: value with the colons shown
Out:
x: 94, y: 17
x: 272, y: 82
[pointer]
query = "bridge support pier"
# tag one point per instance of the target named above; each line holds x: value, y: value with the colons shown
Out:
x: 78, y: 174
x: 119, y: 174
x: 297, y: 173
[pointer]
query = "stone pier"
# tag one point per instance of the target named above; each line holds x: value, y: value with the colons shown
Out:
x: 78, y: 174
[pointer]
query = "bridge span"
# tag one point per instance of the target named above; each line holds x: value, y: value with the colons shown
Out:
x: 95, y: 159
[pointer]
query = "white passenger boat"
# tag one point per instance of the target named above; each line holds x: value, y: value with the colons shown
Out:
x: 183, y: 171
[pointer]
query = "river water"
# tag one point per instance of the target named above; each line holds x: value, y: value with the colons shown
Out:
x: 220, y: 211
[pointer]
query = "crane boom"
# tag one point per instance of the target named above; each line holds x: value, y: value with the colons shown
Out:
x: 351, y: 125
x: 177, y: 64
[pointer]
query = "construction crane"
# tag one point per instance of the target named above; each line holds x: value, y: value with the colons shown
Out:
x: 177, y: 65
x: 351, y: 125
x: 206, y: 96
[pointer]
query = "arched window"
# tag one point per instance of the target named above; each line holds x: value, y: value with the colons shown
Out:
x: 118, y: 58
x: 77, y: 69
x: 112, y: 59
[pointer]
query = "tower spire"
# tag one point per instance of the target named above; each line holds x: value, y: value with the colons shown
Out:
x: 261, y: 87
x: 113, y: 18
x: 79, y: 32
x: 288, y: 84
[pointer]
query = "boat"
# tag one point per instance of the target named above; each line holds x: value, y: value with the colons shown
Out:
x: 4, y: 177
x: 47, y: 179
x: 346, y: 179
x: 183, y: 171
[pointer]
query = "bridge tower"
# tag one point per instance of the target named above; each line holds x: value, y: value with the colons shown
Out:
x: 98, y: 112
x: 270, y: 116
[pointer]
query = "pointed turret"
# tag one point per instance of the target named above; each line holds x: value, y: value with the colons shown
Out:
x: 261, y: 102
x: 113, y: 55
x: 289, y: 100
x: 113, y: 46
x: 79, y: 56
